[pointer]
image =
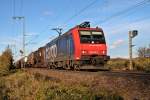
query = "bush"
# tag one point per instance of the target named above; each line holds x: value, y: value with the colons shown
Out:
x: 139, y: 64
x: 118, y: 64
x: 142, y: 64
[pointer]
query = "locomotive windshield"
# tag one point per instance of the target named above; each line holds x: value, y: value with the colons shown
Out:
x: 96, y: 37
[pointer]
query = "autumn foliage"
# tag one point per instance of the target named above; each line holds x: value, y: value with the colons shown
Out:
x: 6, y: 61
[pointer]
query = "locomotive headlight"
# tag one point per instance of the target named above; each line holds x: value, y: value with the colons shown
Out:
x: 84, y: 52
x: 77, y: 58
x: 103, y: 52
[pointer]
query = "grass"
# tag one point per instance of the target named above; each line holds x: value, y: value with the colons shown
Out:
x: 142, y: 64
x: 23, y: 85
x: 118, y: 64
x: 139, y: 64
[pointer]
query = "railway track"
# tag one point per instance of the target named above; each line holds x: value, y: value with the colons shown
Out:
x: 128, y: 74
x: 96, y: 72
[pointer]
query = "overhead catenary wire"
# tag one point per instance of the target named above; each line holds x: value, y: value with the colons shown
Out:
x: 18, y: 15
x: 37, y: 35
x: 123, y: 11
x: 13, y: 26
x: 89, y: 5
x: 17, y: 8
x: 14, y: 7
x: 68, y: 20
x: 79, y: 12
x: 21, y: 7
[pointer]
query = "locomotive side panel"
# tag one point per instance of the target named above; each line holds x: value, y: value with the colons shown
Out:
x: 50, y: 52
x: 70, y: 47
x: 65, y: 48
x: 61, y: 48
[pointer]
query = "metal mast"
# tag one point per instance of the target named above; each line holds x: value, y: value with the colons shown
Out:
x: 23, y: 52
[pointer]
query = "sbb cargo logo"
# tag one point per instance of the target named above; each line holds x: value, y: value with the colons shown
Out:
x: 51, y: 52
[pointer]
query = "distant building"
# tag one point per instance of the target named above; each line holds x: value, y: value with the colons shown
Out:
x: 147, y: 54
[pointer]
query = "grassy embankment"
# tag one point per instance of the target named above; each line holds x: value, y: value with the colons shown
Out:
x: 25, y: 86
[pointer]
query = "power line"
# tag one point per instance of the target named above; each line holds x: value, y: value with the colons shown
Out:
x: 79, y: 12
x: 124, y: 11
x: 14, y: 7
x: 20, y: 17
x: 68, y: 20
x: 36, y: 36
x: 18, y: 8
x: 21, y: 7
x: 133, y: 22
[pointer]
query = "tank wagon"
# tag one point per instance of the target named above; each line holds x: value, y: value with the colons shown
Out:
x: 78, y: 47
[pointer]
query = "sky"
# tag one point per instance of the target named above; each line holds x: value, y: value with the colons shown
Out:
x: 115, y: 17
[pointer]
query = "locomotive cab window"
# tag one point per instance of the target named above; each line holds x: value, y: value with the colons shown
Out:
x: 85, y: 36
x: 92, y: 37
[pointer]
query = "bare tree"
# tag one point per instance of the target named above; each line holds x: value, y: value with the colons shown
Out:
x: 144, y: 51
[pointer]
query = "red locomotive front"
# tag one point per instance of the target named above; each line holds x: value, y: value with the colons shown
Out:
x: 90, y: 46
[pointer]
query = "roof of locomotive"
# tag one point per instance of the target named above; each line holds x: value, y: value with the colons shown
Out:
x: 82, y: 26
x: 78, y: 27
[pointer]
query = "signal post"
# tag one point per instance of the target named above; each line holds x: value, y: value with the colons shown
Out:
x: 132, y: 34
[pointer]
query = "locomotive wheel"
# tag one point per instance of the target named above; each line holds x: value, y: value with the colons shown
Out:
x: 51, y: 67
x: 76, y: 67
x: 67, y: 67
x: 93, y: 61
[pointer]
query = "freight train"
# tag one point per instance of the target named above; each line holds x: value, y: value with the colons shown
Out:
x: 78, y: 47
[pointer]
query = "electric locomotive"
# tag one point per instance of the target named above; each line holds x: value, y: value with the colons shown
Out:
x: 80, y: 46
